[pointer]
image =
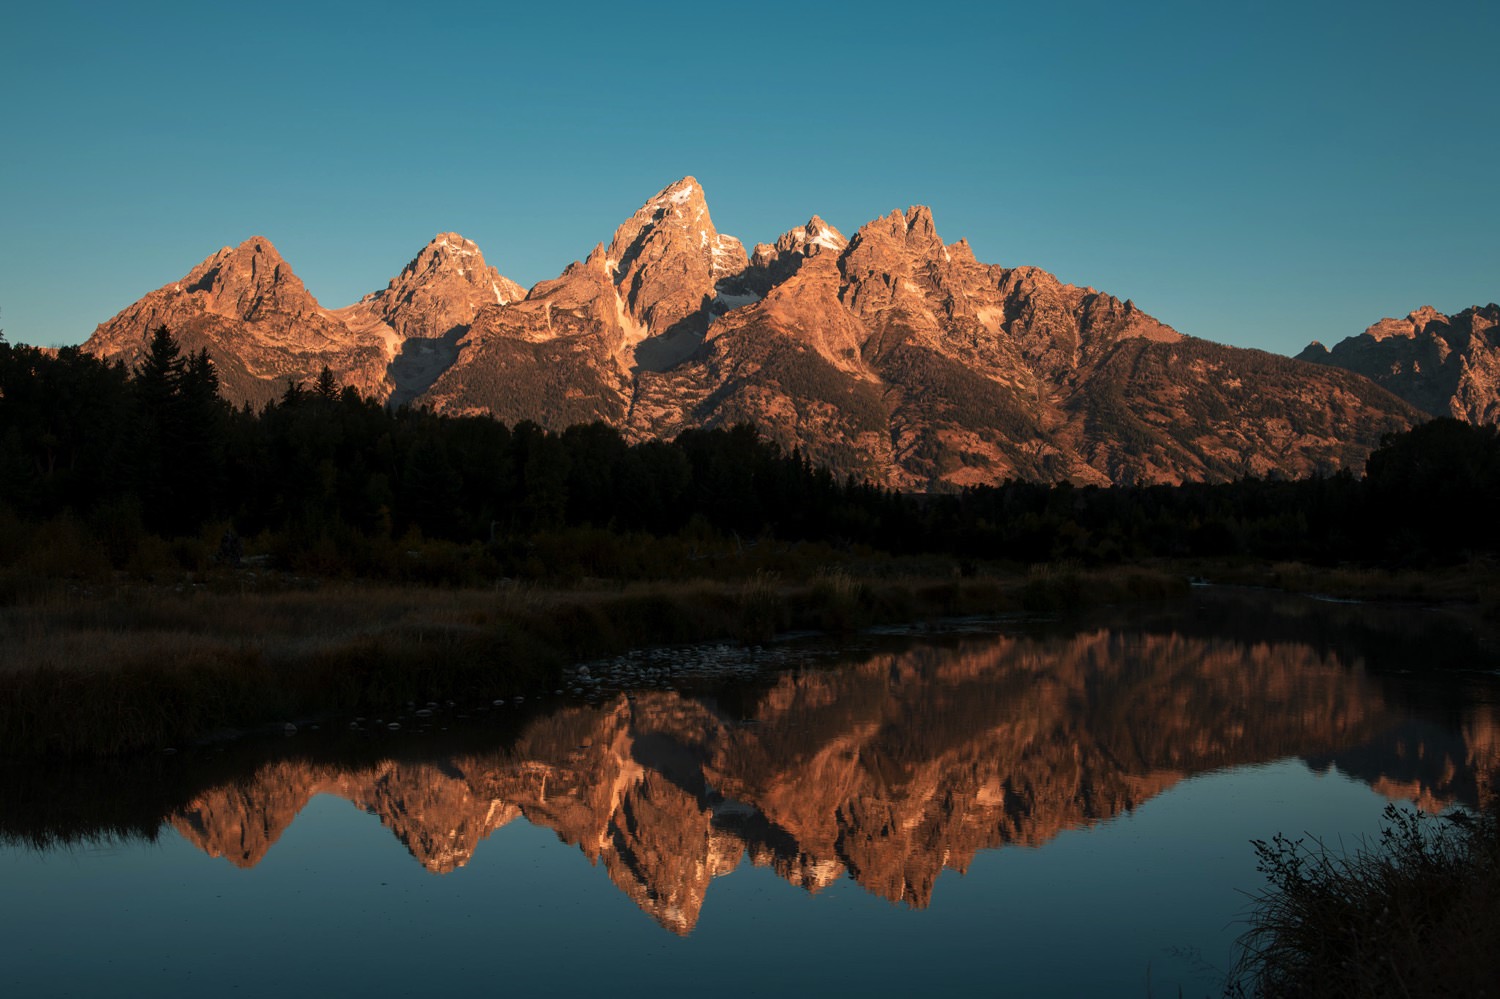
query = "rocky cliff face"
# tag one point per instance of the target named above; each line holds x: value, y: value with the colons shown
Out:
x: 1443, y: 365
x: 559, y: 357
x: 896, y: 357
x: 889, y: 770
x: 246, y: 307
x: 570, y: 353
x: 890, y: 355
x: 262, y: 328
x: 439, y: 291
x: 901, y: 358
x: 667, y: 261
x: 424, y: 311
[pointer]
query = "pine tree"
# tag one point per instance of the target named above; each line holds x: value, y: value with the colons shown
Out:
x: 180, y: 433
x: 326, y: 387
x: 158, y: 378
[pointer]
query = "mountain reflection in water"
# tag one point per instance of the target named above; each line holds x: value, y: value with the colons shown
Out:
x: 888, y: 769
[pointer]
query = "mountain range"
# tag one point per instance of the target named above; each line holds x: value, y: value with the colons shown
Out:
x: 1445, y: 366
x: 889, y: 355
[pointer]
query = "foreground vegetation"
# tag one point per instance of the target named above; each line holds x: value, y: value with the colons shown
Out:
x: 133, y: 666
x: 169, y: 564
x: 1474, y: 582
x: 1416, y: 915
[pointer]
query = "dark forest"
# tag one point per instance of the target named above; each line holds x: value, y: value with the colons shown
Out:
x: 321, y: 474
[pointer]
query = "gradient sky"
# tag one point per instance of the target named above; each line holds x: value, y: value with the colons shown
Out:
x: 1257, y: 174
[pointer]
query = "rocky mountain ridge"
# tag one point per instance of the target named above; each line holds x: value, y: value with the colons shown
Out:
x: 1443, y: 365
x: 889, y: 355
x: 258, y: 322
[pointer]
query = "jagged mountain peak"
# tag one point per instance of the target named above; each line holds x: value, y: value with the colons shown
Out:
x: 889, y: 261
x: 245, y: 251
x: 888, y: 354
x: 449, y: 246
x: 914, y: 229
x: 813, y: 237
x: 962, y: 252
x: 252, y: 313
x: 1411, y: 326
x: 440, y: 290
x: 919, y: 217
x: 234, y: 256
x: 676, y: 194
x: 598, y: 257
x: 257, y: 252
x: 771, y: 264
x: 247, y: 281
x: 667, y: 259
x: 1446, y: 365
x: 450, y: 253
x: 679, y: 209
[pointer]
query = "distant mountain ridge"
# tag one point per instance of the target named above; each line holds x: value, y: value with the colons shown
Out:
x: 889, y: 355
x: 1443, y: 365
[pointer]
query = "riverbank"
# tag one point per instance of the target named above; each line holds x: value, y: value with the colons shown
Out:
x: 1416, y: 914
x: 130, y: 666
x: 124, y: 663
x: 1475, y: 582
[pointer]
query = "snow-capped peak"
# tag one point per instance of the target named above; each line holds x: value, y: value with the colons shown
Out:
x: 815, y: 233
x: 674, y: 195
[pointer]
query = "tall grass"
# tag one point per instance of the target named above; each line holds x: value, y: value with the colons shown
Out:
x: 113, y: 666
x: 762, y: 608
x: 1476, y: 581
x: 1418, y: 914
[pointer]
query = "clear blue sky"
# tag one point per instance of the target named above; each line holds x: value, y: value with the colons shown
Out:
x: 1257, y: 174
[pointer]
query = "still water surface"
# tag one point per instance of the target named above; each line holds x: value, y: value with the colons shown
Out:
x: 1060, y: 810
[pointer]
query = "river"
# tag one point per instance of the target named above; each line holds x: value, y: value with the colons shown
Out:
x: 1002, y: 807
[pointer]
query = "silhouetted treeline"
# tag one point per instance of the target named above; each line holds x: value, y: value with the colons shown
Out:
x: 157, y: 450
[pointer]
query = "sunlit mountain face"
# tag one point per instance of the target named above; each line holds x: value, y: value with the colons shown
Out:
x: 1443, y: 365
x: 888, y: 767
x: 891, y: 355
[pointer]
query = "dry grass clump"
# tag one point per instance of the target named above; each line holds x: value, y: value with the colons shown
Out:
x: 762, y: 608
x: 845, y: 602
x: 1417, y: 915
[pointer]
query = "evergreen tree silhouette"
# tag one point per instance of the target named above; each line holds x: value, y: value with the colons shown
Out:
x: 326, y: 387
x: 180, y: 435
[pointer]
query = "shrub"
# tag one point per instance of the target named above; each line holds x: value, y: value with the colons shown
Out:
x: 1417, y: 915
x: 841, y: 602
x: 762, y: 611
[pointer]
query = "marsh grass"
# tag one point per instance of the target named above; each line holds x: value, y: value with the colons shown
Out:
x: 117, y: 665
x: 844, y: 602
x: 762, y: 608
x: 1052, y: 587
x: 1417, y: 914
x: 1476, y: 581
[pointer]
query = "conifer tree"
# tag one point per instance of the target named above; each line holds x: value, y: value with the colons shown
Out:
x: 158, y: 378
x: 180, y: 435
x: 326, y: 387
